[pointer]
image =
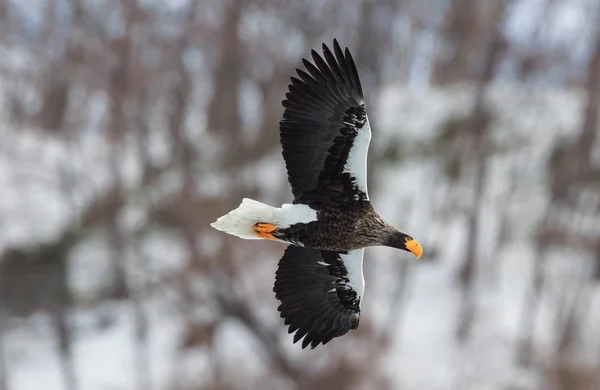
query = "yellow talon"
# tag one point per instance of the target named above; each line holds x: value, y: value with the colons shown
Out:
x: 264, y: 230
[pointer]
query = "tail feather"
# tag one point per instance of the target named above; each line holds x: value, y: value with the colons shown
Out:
x: 240, y: 221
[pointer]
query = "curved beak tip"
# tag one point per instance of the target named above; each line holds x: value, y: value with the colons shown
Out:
x: 414, y: 247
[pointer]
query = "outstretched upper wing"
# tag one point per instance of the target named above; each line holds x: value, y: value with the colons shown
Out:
x: 320, y: 293
x: 325, y: 132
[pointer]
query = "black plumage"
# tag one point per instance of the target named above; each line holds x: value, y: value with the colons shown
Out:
x: 354, y: 225
x: 324, y: 111
x: 317, y: 299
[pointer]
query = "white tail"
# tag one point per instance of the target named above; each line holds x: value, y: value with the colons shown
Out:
x: 240, y: 221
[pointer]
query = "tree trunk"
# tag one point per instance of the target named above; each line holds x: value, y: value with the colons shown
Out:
x: 478, y: 129
x: 64, y: 344
x: 459, y: 43
x: 223, y: 111
x: 532, y: 300
x: 3, y: 366
x: 589, y: 132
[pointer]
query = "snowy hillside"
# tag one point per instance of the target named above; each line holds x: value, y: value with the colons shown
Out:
x: 412, y: 192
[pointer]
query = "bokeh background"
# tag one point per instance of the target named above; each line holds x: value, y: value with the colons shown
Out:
x: 126, y: 127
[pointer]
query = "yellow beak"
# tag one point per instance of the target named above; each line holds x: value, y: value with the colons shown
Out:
x: 414, y: 247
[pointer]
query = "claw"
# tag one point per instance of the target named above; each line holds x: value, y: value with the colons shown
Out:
x: 264, y: 230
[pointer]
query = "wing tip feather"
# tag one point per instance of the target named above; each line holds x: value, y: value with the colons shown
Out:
x: 319, y: 316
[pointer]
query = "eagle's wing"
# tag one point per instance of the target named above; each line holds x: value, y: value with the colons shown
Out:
x: 320, y: 293
x: 325, y: 131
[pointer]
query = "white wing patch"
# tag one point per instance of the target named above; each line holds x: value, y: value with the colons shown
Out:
x: 353, y: 261
x: 356, y: 165
x: 295, y: 213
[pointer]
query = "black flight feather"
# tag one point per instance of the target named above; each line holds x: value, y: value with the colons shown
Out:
x: 324, y: 112
x: 317, y: 301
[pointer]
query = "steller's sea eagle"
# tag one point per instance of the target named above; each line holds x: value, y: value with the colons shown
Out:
x: 325, y: 136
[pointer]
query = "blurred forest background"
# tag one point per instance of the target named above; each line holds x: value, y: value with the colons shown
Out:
x: 127, y: 126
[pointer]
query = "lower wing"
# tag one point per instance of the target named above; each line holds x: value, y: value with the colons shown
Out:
x: 320, y: 293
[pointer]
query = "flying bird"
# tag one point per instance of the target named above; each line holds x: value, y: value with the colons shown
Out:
x: 325, y: 137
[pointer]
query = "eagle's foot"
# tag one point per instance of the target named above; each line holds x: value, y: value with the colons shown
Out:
x: 264, y: 230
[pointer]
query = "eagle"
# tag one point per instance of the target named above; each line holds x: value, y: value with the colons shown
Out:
x: 325, y: 135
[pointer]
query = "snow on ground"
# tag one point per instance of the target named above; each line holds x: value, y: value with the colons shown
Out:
x: 103, y: 354
x: 425, y: 356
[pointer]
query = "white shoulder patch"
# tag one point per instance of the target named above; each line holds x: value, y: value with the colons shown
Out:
x: 356, y: 165
x: 296, y: 213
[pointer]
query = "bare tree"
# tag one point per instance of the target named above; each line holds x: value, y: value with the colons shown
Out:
x: 168, y: 88
x: 478, y: 128
x: 223, y: 110
x: 461, y: 42
x: 570, y: 172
